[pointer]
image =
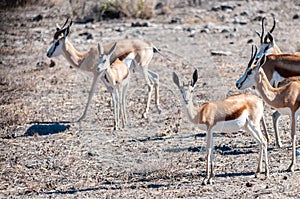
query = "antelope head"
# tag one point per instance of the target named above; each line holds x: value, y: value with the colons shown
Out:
x: 267, y: 42
x: 186, y: 89
x: 59, y: 39
x: 247, y: 80
x: 104, y: 59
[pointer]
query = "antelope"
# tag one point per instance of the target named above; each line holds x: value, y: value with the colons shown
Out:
x: 116, y: 77
x: 128, y: 51
x: 268, y: 46
x: 243, y: 111
x: 277, y: 68
x: 285, y: 99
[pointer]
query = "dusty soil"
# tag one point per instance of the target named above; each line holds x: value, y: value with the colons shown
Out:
x: 162, y: 156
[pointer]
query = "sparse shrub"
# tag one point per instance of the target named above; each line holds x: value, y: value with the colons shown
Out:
x: 143, y: 9
x: 21, y: 3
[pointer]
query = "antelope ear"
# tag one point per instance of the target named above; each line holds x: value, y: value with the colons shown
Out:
x: 176, y: 79
x: 57, y: 27
x: 195, y: 78
x: 100, y: 49
x: 257, y: 33
x: 113, y: 48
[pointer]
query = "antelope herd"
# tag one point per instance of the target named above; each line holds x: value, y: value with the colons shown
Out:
x: 274, y: 75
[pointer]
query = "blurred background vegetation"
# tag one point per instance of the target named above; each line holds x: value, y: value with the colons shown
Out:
x: 109, y: 9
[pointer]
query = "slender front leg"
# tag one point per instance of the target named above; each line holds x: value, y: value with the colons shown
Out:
x: 254, y: 129
x: 124, y: 90
x: 155, y: 78
x: 275, y: 116
x: 209, y: 159
x: 150, y: 88
x: 91, y: 94
x: 114, y: 99
x: 265, y: 128
x: 293, y: 135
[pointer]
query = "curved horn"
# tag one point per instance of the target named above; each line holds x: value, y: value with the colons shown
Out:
x: 66, y: 23
x: 274, y: 23
x: 100, y: 49
x: 262, y: 29
x: 253, y: 54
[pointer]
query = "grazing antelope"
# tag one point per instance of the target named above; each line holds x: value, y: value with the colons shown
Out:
x: 277, y: 68
x: 116, y: 77
x: 128, y: 51
x: 236, y: 112
x: 285, y: 99
x: 268, y: 46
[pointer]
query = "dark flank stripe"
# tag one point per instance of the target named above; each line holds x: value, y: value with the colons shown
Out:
x: 235, y: 114
x: 122, y: 57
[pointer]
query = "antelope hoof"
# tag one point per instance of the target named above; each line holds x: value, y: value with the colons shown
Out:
x: 159, y: 109
x: 291, y: 168
x: 267, y: 174
x: 145, y: 115
x: 207, y: 181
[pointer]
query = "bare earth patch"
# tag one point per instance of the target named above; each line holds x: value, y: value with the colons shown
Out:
x: 44, y: 154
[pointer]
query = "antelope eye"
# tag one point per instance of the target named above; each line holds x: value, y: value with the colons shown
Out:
x: 249, y: 72
x: 57, y: 43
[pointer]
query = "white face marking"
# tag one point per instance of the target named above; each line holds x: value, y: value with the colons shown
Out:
x: 247, y: 80
x: 55, y: 49
x: 103, y: 63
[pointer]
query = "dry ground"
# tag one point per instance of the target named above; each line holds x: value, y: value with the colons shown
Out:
x: 163, y: 156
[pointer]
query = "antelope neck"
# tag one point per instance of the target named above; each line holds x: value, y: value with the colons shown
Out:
x: 74, y: 57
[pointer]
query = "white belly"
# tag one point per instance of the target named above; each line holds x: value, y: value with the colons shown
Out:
x: 128, y: 61
x: 230, y: 125
x: 276, y: 78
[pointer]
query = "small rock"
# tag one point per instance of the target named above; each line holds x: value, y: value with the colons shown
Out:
x: 285, y: 177
x: 84, y: 20
x: 244, y: 13
x: 89, y: 36
x: 37, y: 18
x: 261, y: 12
x: 250, y: 41
x: 224, y: 31
x: 205, y: 30
x: 220, y: 53
x: 41, y: 64
x: 202, y: 159
x: 119, y: 29
x: 139, y: 24
x: 296, y: 16
x: 175, y: 20
x: 52, y: 63
x: 227, y: 8
x: 249, y: 184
